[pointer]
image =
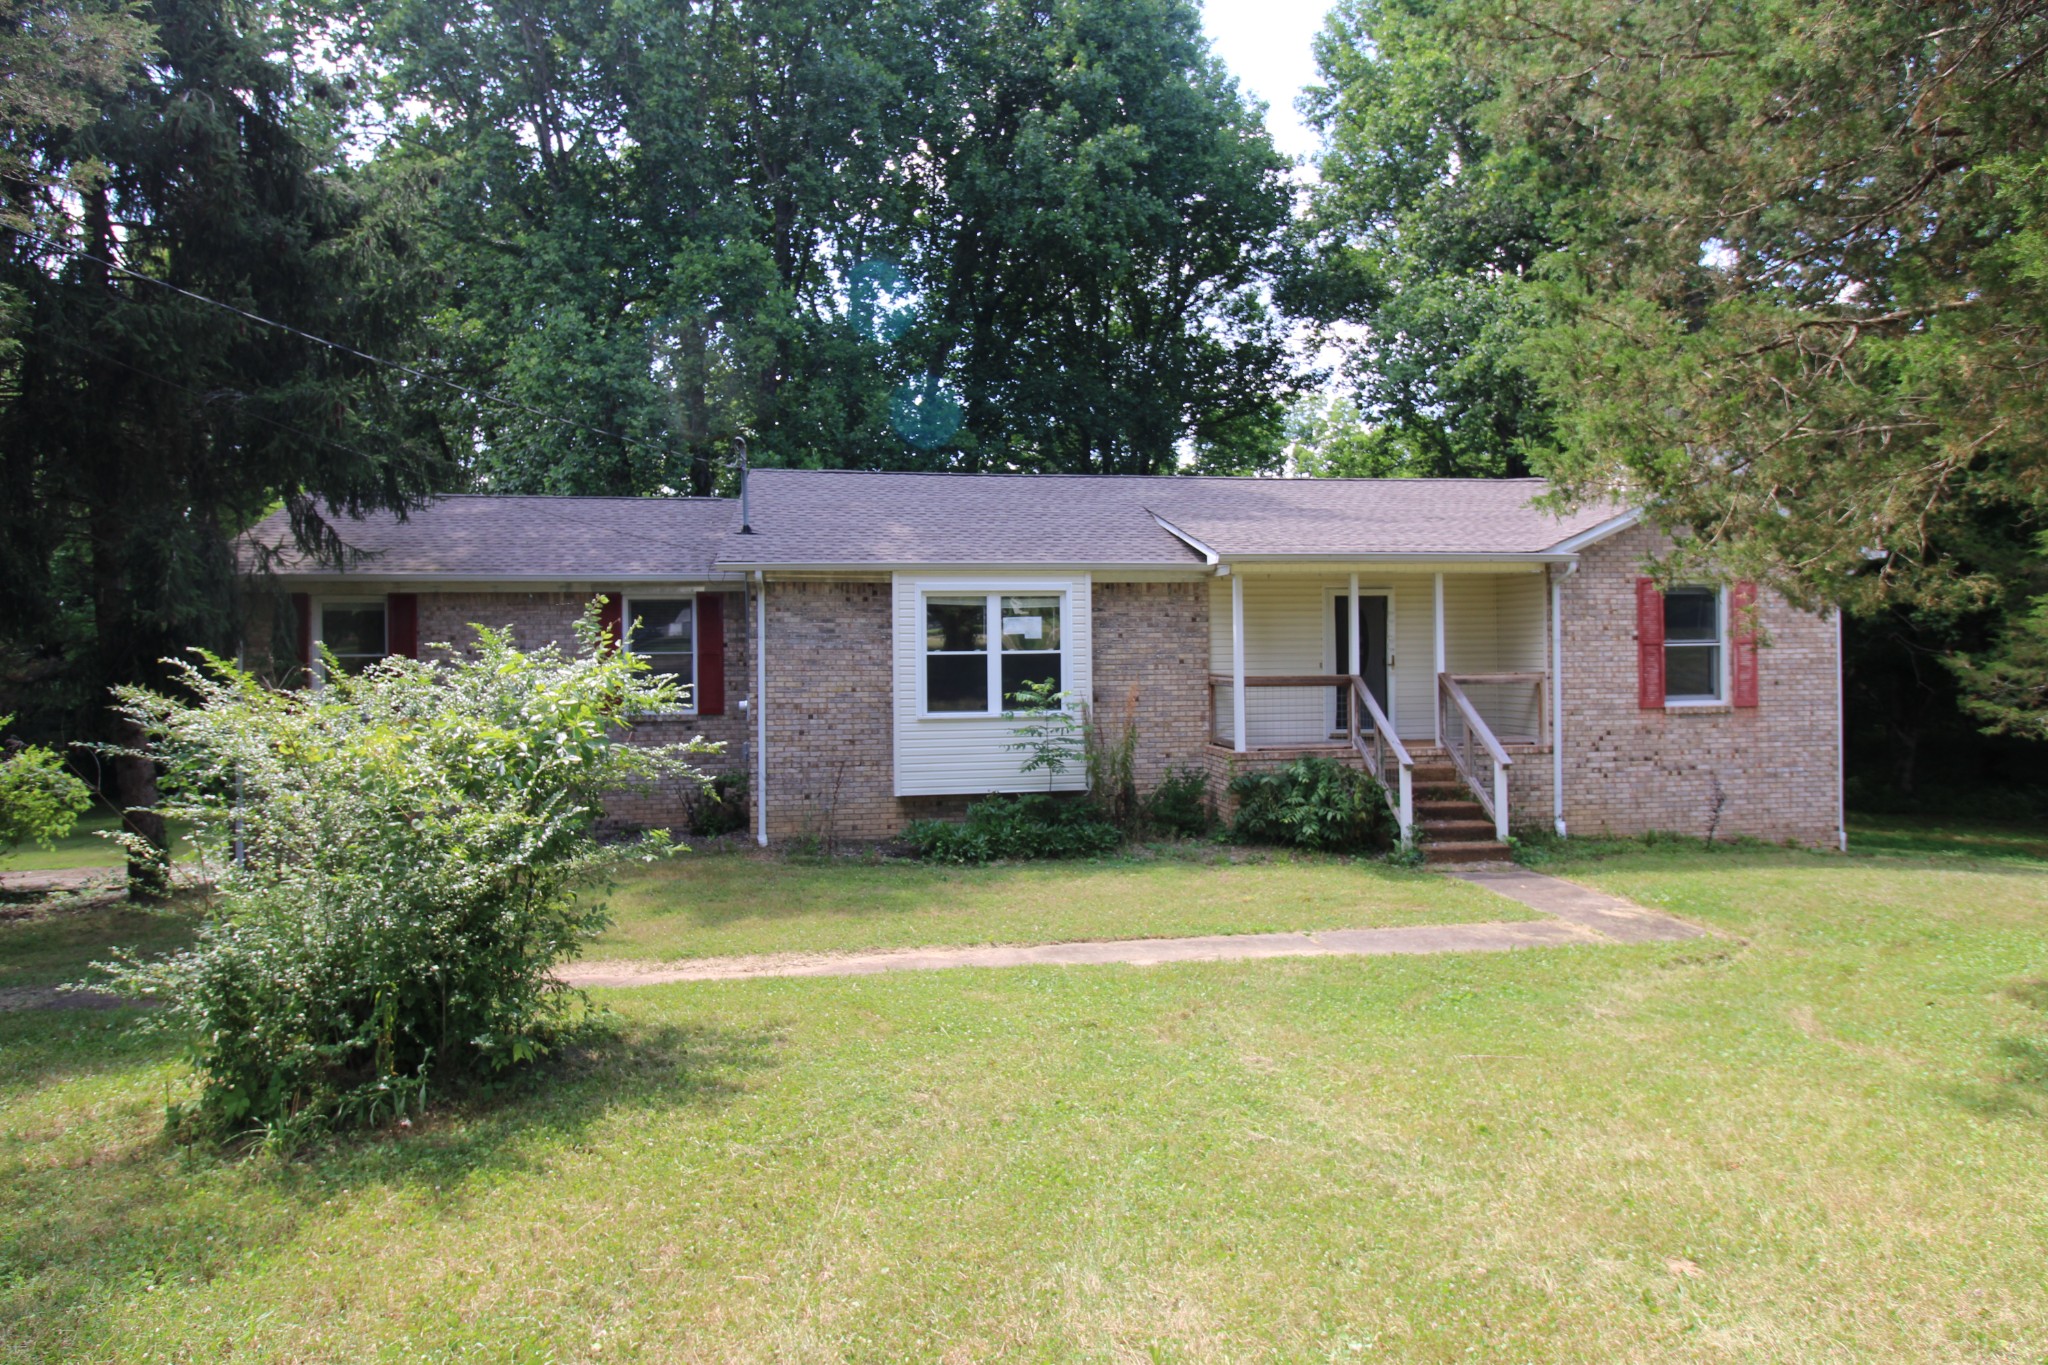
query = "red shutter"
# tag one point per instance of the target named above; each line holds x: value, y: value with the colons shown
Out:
x: 710, y: 696
x: 1742, y: 610
x: 302, y: 608
x: 610, y: 607
x: 402, y: 624
x: 1649, y: 645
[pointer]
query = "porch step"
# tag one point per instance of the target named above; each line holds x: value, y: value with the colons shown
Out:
x: 1465, y: 851
x: 1459, y: 807
x: 1459, y: 829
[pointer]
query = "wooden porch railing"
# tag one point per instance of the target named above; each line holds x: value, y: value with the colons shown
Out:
x: 1376, y: 745
x: 1475, y: 751
x: 1540, y: 717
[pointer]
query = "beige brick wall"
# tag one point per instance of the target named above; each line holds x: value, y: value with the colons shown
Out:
x: 1775, y: 767
x: 1152, y: 666
x: 538, y: 618
x: 831, y: 744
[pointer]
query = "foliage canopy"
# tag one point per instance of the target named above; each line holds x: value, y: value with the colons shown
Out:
x: 400, y: 859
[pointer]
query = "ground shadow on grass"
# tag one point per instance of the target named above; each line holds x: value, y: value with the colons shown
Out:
x: 2020, y: 1089
x: 1948, y: 840
x: 85, y: 1225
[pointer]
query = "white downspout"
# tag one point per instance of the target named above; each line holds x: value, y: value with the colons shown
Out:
x: 1557, y: 694
x: 1237, y: 661
x: 1841, y: 738
x: 761, y: 707
x: 1436, y: 686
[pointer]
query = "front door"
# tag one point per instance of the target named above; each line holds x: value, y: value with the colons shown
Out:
x: 1372, y: 652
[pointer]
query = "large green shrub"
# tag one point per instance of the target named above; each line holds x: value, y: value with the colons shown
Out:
x: 1180, y: 804
x: 40, y: 800
x: 1032, y: 826
x: 1314, y: 803
x: 401, y: 861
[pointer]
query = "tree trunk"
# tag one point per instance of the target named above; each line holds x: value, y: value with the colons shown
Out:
x: 132, y: 777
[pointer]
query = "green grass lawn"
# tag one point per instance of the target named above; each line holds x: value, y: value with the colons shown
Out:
x: 702, y: 905
x: 1822, y: 1136
x: 85, y: 846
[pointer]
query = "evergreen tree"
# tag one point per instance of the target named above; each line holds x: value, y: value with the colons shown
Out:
x: 145, y: 423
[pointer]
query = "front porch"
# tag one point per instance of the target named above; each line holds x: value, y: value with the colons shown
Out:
x: 1436, y: 683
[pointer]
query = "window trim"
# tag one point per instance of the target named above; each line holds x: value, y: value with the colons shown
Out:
x: 1721, y: 641
x: 626, y: 619
x: 318, y: 670
x: 1062, y: 592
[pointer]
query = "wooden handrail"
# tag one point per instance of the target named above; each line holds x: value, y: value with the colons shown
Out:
x: 1472, y: 719
x: 1401, y: 796
x: 1495, y: 801
x: 1495, y: 677
x: 1380, y: 724
x: 1283, y: 680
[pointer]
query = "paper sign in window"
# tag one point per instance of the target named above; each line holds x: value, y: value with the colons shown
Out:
x: 1024, y: 627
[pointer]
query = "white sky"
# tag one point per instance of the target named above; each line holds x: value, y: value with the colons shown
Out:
x: 1266, y: 43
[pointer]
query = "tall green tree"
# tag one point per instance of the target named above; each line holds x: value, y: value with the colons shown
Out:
x: 1104, y: 211
x: 1800, y: 313
x: 930, y: 233
x: 144, y: 421
x: 1421, y: 235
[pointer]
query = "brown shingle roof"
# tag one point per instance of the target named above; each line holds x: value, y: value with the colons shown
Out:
x: 856, y: 518
x: 510, y: 536
x: 822, y: 517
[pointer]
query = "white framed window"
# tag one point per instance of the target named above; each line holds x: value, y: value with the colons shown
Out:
x: 356, y: 633
x: 663, y: 631
x: 1695, y: 645
x: 981, y: 648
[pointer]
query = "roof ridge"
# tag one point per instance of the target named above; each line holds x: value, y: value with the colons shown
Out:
x: 586, y: 497
x: 1153, y: 478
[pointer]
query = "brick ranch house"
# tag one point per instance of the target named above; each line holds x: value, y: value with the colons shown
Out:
x: 853, y: 637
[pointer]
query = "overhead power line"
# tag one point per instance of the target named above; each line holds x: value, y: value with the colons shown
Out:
x: 475, y: 394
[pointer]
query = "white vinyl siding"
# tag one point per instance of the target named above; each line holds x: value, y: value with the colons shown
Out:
x: 1493, y: 623
x: 967, y: 755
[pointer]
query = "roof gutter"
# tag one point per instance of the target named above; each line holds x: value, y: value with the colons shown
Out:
x: 1571, y: 545
x: 879, y: 566
x: 1423, y: 558
x: 364, y: 578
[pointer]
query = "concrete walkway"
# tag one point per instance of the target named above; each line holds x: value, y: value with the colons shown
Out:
x: 1609, y: 916
x: 1579, y: 916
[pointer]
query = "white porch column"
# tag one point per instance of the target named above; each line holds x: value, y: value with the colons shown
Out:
x: 1351, y: 627
x: 1237, y: 661
x: 1436, y: 692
